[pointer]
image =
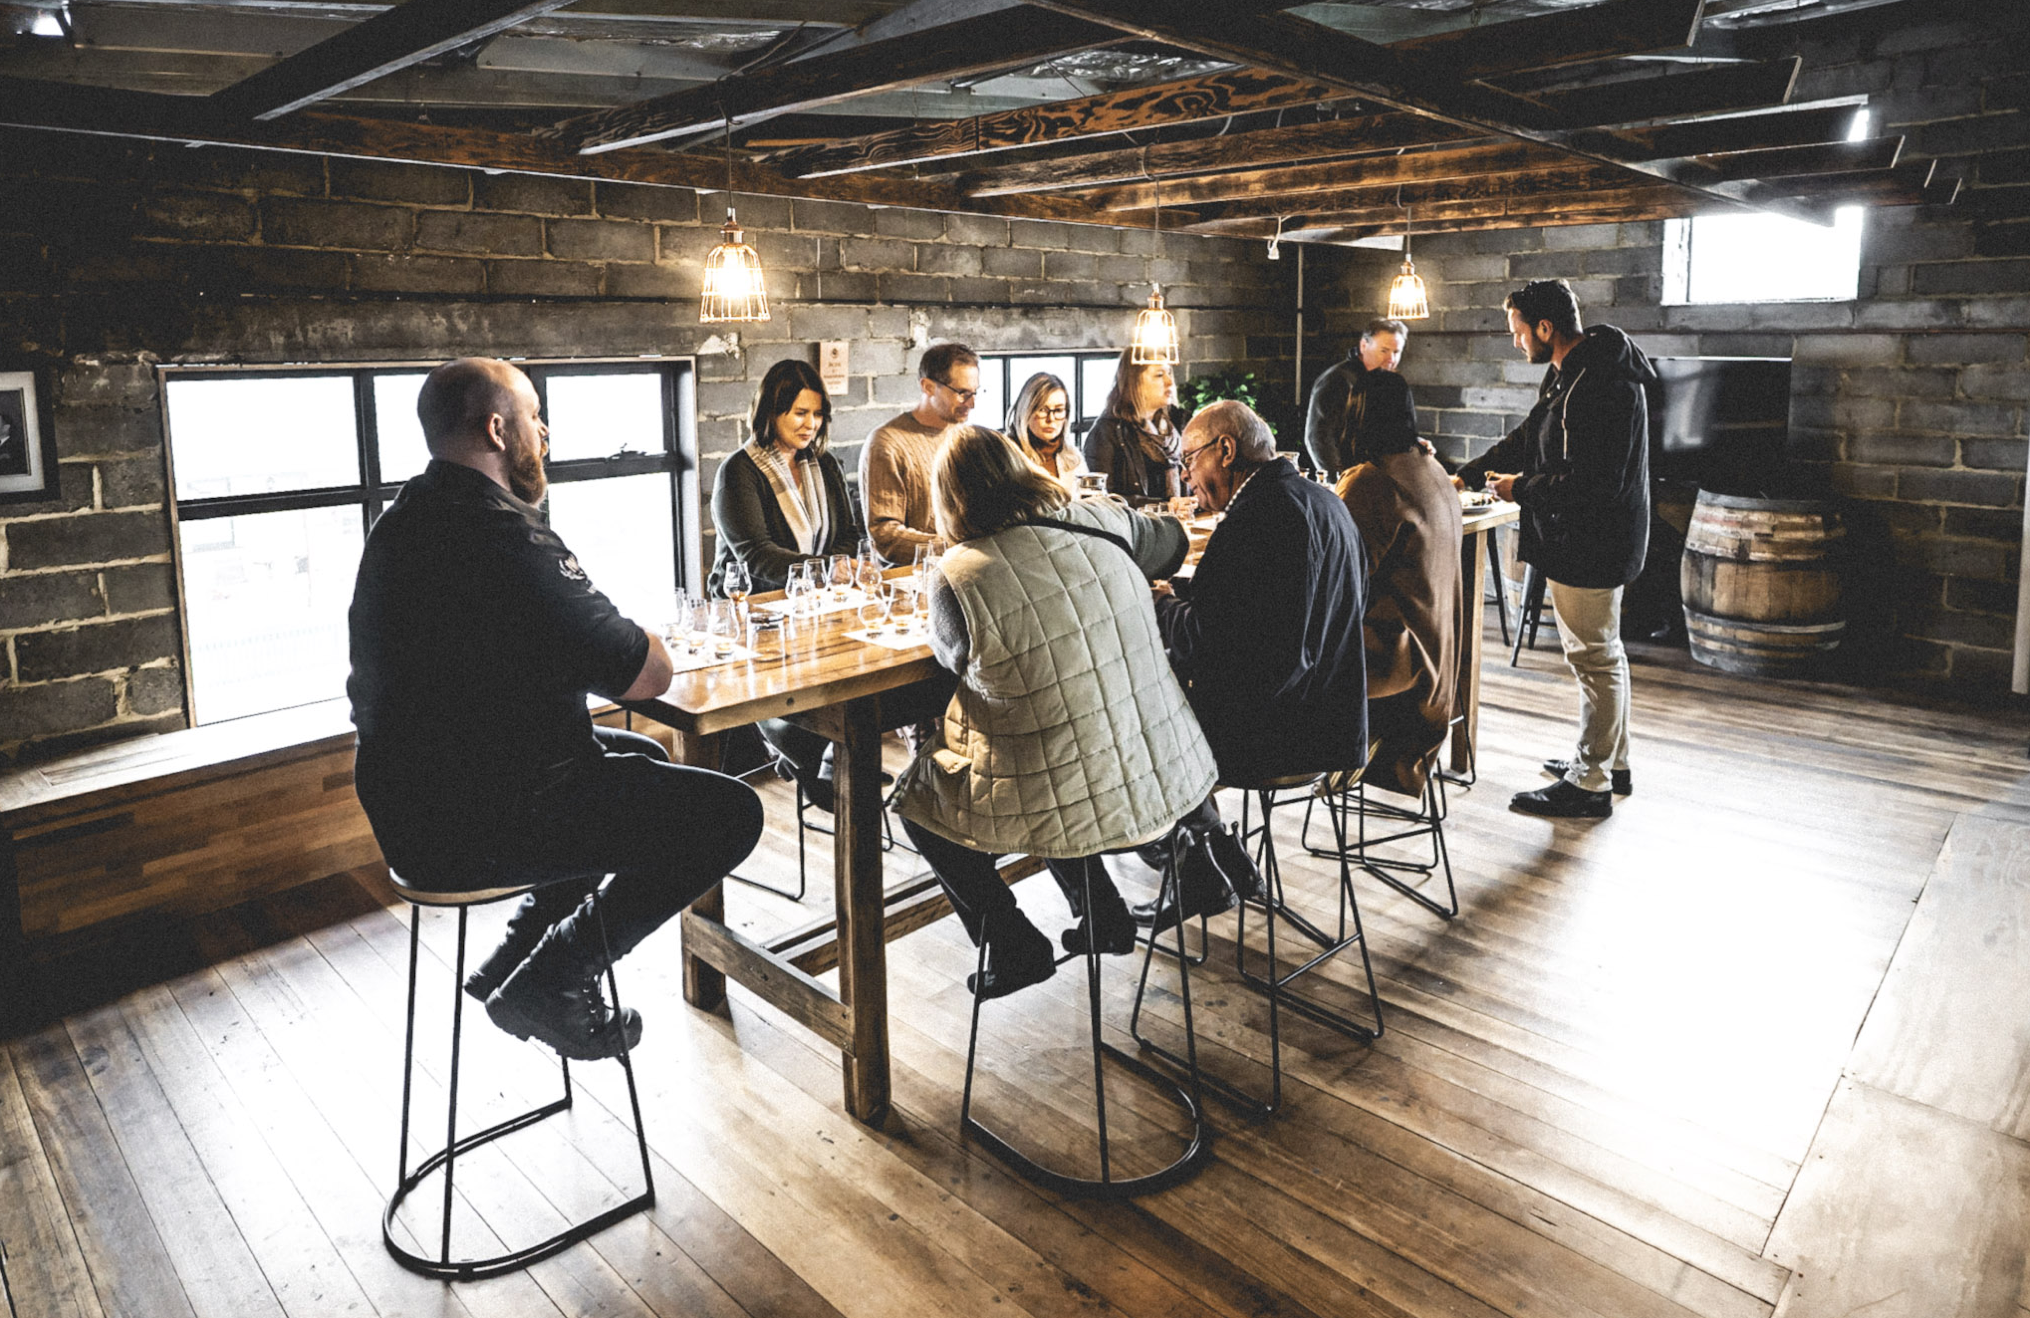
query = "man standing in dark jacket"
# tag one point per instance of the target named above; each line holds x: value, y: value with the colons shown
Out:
x: 1268, y: 646
x: 1579, y: 466
x: 1331, y: 431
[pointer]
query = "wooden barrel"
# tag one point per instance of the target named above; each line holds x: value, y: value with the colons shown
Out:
x: 1761, y: 580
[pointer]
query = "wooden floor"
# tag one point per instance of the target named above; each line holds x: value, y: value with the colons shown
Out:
x: 1758, y: 1044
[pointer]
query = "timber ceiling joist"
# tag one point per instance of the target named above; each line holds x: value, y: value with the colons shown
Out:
x: 1231, y: 116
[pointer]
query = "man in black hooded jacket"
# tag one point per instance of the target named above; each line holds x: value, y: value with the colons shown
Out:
x: 1579, y: 466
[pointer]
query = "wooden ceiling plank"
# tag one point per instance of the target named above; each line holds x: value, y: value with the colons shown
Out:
x: 1748, y: 132
x: 1826, y: 158
x: 1502, y: 158
x: 1003, y: 39
x: 1296, y: 47
x: 1183, y: 101
x: 1274, y: 146
x: 394, y: 39
x: 187, y: 120
x: 1582, y: 34
x: 1722, y: 90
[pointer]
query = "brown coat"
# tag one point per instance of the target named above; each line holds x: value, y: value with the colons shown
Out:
x: 1409, y: 519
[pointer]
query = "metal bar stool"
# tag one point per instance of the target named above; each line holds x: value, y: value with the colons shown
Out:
x: 1426, y: 820
x: 1106, y: 1185
x: 1274, y: 903
x: 1530, y: 617
x: 444, y: 1266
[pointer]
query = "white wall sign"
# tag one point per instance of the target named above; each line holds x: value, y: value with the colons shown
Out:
x: 832, y: 365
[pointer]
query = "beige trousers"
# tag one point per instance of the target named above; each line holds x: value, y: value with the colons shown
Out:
x: 1589, y: 626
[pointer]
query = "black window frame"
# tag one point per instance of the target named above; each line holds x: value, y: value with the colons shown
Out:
x: 678, y: 457
x: 1080, y: 422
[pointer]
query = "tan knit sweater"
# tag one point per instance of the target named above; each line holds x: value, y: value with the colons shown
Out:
x: 895, y: 468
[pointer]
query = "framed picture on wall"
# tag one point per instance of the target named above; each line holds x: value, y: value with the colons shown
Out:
x: 27, y: 444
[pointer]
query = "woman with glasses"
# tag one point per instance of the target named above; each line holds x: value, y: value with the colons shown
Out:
x: 1039, y: 422
x: 779, y: 501
x: 1134, y: 442
x: 1068, y: 736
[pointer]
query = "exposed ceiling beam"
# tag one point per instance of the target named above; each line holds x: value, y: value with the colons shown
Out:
x: 1273, y: 146
x: 1826, y: 158
x: 1008, y: 38
x: 189, y: 121
x: 1296, y: 47
x: 1616, y: 27
x: 1748, y: 132
x: 410, y: 33
x: 1722, y: 90
x: 1184, y: 101
x: 1499, y: 157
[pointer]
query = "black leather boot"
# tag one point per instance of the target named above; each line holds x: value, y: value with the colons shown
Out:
x: 555, y: 996
x: 525, y: 928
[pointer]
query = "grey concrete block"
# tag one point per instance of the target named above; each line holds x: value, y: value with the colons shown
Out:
x: 979, y: 291
x: 1992, y: 455
x: 87, y: 538
x: 38, y: 599
x: 132, y: 483
x: 104, y: 431
x: 948, y: 259
x: 380, y: 180
x: 543, y: 278
x: 849, y: 286
x: 139, y: 587
x: 478, y: 232
x: 1070, y: 266
x: 402, y: 273
x: 980, y: 230
x: 877, y: 254
x: 1012, y: 262
x: 830, y: 217
x: 196, y: 216
x: 1911, y: 314
x: 1979, y: 276
x: 1581, y: 237
x: 680, y: 282
x: 155, y: 690
x: 535, y: 194
x: 601, y: 240
x: 1961, y: 418
x: 269, y: 270
x: 1968, y: 349
x: 1888, y: 448
x: 32, y: 711
x: 1852, y: 350
x: 350, y: 225
x: 94, y: 647
x: 1039, y: 233
x: 912, y: 288
x: 894, y: 222
x: 1981, y: 488
x: 1908, y: 382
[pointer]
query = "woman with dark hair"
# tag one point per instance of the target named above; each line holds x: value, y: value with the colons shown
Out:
x: 782, y: 497
x: 1135, y: 440
x: 1068, y: 736
x: 1039, y: 422
x: 1409, y: 520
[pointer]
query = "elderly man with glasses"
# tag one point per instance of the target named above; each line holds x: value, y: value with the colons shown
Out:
x: 1268, y: 644
x: 895, y: 462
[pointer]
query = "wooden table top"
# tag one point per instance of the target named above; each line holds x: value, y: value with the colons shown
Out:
x: 821, y: 667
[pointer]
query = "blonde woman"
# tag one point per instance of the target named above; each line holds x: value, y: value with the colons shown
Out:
x: 1068, y: 736
x: 1040, y: 424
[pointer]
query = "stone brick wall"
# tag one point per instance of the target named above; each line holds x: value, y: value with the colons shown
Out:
x: 117, y: 257
x: 1909, y: 400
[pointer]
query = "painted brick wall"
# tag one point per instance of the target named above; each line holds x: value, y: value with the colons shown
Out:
x: 116, y: 257
x: 1910, y: 400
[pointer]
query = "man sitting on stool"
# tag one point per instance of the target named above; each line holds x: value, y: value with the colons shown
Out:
x: 1268, y: 645
x: 476, y: 637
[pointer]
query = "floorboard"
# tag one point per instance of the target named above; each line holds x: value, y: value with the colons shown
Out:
x: 1754, y: 1046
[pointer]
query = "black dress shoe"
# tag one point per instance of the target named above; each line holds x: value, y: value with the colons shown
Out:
x: 1561, y: 800
x: 1113, y: 925
x: 1199, y: 899
x: 1013, y: 962
x: 1623, y: 784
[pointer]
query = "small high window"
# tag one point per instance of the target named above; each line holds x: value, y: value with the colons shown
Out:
x: 1764, y: 258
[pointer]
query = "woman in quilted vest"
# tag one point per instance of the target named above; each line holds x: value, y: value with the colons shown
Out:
x: 1068, y: 736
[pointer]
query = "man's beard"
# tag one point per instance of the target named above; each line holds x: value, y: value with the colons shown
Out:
x: 1540, y: 350
x: 526, y: 479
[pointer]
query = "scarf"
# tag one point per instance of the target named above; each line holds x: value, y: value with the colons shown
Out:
x: 807, y: 510
x: 1162, y: 445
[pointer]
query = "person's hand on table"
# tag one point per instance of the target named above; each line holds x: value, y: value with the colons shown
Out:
x: 1458, y: 484
x: 1162, y: 590
x: 1503, y: 486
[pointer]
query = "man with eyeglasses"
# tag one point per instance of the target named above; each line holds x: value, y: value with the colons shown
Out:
x: 1268, y: 645
x: 895, y: 462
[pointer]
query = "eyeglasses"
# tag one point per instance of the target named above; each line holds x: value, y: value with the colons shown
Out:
x: 963, y: 395
x: 1052, y: 413
x: 1184, y: 458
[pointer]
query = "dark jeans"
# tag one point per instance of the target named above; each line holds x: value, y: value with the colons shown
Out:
x: 982, y: 900
x: 665, y: 832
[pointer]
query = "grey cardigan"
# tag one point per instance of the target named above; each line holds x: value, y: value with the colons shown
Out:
x: 752, y: 527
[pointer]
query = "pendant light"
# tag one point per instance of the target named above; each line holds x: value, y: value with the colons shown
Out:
x: 1407, y: 298
x: 1155, y: 341
x: 734, y: 289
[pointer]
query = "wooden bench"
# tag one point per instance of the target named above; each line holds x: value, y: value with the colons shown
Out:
x: 178, y: 823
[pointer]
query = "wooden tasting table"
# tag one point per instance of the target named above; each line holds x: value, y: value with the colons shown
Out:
x: 836, y: 687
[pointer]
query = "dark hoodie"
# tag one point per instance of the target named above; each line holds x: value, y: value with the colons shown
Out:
x: 1583, y: 455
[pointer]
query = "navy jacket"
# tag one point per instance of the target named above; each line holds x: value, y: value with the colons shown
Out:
x: 1268, y: 644
x: 1583, y: 452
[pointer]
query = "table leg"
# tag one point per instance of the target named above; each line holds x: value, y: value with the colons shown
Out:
x: 18, y: 1011
x: 704, y: 987
x: 1466, y: 699
x: 863, y: 947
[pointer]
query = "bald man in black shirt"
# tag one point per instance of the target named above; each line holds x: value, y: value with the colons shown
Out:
x: 476, y: 637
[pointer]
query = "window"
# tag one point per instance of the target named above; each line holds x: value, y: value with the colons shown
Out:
x: 278, y: 475
x: 1086, y: 375
x: 1764, y: 258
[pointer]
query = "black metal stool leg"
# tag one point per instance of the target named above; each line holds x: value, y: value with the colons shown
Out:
x: 1106, y: 1186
